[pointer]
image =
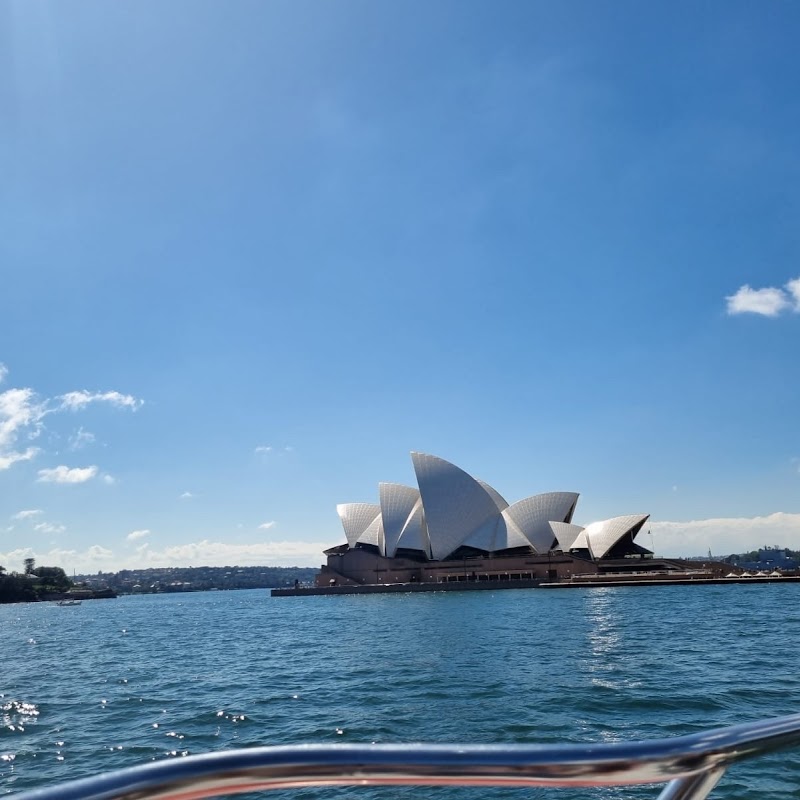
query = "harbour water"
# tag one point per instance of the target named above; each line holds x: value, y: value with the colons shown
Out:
x: 113, y: 683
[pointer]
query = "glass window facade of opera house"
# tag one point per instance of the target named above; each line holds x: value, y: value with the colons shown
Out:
x: 453, y: 527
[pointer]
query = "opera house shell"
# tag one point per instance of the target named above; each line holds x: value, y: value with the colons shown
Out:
x: 451, y: 517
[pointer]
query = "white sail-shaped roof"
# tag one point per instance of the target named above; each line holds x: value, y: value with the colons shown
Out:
x: 602, y: 536
x: 456, y: 505
x: 414, y: 535
x: 508, y: 535
x: 566, y: 534
x: 532, y: 517
x: 492, y: 535
x: 581, y: 541
x: 356, y: 518
x: 374, y: 535
x: 397, y: 503
x: 452, y: 509
x: 499, y: 500
x: 484, y: 537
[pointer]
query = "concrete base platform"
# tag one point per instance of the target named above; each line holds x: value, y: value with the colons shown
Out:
x: 388, y: 588
x: 665, y: 582
x: 476, y: 586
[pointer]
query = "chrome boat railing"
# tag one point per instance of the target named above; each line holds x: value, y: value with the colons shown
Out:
x: 690, y: 766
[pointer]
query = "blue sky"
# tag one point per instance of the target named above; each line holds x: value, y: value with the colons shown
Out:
x: 252, y: 254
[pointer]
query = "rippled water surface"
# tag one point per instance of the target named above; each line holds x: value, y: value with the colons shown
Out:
x: 113, y: 683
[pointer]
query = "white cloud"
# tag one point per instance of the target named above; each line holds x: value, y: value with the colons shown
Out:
x: 19, y: 408
x: 75, y: 401
x: 185, y: 496
x: 109, y: 480
x: 81, y: 438
x: 724, y: 535
x: 21, y: 412
x: 793, y: 287
x: 98, y: 553
x: 265, y: 449
x: 28, y: 513
x: 90, y: 560
x: 7, y: 459
x: 265, y: 526
x: 63, y: 474
x: 196, y: 554
x: 221, y: 554
x: 16, y: 557
x: 134, y: 535
x: 22, y: 415
x: 48, y: 527
x: 768, y: 302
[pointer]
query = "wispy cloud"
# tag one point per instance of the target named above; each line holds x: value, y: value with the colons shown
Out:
x: 7, y: 459
x: 75, y: 401
x: 28, y: 513
x: 80, y: 439
x: 22, y: 415
x: 265, y: 526
x: 185, y: 496
x: 768, y: 302
x: 109, y: 480
x: 49, y: 527
x: 266, y: 449
x: 64, y: 474
x: 134, y: 535
x: 19, y: 408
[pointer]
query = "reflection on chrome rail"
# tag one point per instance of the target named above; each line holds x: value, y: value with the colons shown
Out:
x: 690, y: 766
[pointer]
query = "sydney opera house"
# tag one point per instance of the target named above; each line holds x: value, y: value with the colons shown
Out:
x: 453, y: 527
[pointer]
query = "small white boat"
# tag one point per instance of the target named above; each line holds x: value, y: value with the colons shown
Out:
x: 69, y: 602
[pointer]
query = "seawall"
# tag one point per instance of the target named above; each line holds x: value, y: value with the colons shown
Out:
x: 477, y: 586
x: 388, y: 588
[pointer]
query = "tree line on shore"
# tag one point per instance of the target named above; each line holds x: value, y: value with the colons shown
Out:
x: 37, y: 583
x: 194, y: 579
x: 32, y: 584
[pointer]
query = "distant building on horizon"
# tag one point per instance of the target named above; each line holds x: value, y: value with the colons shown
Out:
x: 769, y: 558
